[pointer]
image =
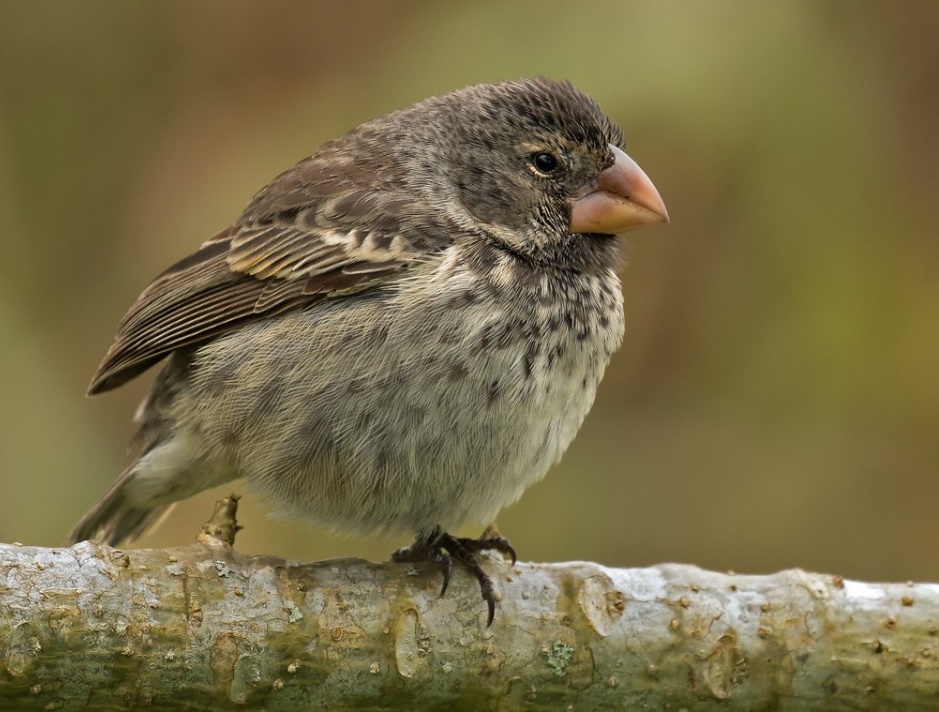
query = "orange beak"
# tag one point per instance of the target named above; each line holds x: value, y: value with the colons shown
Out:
x: 622, y: 199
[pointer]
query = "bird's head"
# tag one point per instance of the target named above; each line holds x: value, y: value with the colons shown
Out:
x: 535, y: 162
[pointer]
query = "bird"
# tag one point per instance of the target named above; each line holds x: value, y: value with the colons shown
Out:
x: 399, y: 334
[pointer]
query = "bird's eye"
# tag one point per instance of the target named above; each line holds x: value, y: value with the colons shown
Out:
x: 544, y: 162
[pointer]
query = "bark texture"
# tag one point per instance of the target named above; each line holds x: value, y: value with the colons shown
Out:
x: 204, y: 627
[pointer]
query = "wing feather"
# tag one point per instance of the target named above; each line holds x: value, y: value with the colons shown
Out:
x: 307, y: 236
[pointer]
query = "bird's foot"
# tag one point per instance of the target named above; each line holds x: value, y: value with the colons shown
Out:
x: 442, y: 549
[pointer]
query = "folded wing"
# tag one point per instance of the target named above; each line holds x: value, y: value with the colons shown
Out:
x: 313, y: 233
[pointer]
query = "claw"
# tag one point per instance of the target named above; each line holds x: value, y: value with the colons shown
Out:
x: 488, y: 594
x: 446, y: 568
x: 493, y: 543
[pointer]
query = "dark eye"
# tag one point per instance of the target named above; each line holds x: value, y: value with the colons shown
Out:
x: 544, y: 162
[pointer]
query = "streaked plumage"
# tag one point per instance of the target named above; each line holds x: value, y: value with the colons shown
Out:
x: 401, y: 332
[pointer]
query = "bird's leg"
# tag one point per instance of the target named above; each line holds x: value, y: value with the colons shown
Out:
x: 491, y: 540
x: 425, y: 548
x: 442, y: 548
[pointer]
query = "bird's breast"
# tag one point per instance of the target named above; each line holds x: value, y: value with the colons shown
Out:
x: 435, y: 402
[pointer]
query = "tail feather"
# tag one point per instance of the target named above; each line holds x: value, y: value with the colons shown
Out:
x: 114, y: 519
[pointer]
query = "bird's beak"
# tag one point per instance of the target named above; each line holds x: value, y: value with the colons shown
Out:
x: 622, y: 199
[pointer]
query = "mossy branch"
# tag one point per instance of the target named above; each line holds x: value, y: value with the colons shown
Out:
x: 204, y: 627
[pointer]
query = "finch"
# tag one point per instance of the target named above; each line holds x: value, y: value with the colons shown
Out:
x: 400, y: 333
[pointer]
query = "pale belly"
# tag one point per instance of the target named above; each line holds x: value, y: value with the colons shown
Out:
x: 398, y: 420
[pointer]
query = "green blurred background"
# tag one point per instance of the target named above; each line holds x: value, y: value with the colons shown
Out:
x: 776, y: 402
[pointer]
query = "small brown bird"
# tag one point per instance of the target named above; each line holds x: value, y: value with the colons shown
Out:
x: 400, y: 333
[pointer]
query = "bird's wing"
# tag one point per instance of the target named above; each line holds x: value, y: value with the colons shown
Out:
x: 316, y: 231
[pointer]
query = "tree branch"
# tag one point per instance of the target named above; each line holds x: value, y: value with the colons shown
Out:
x: 204, y: 627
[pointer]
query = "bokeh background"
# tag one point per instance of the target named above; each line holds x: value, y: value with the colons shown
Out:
x: 776, y: 402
